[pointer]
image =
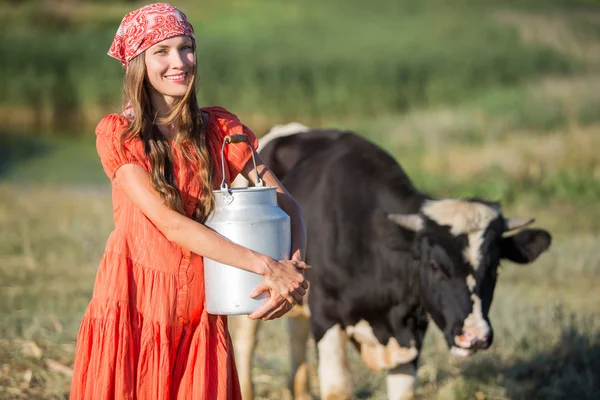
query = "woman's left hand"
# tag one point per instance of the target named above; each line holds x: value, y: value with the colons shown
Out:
x: 278, y: 305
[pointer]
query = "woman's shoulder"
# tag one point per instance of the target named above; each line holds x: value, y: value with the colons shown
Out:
x: 215, y: 110
x: 112, y: 124
x: 223, y: 120
x: 220, y: 114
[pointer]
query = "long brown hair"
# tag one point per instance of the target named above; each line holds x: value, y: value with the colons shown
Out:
x: 186, y: 116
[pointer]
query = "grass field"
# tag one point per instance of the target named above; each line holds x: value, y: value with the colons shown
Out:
x: 55, y: 216
x: 545, y: 315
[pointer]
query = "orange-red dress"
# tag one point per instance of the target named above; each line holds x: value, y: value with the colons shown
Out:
x: 146, y: 333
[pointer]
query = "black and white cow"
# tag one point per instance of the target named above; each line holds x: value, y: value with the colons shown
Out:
x: 385, y: 257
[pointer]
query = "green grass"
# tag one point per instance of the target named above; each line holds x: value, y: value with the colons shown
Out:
x: 29, y: 160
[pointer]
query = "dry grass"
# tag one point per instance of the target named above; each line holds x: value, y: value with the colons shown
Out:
x: 50, y: 244
x: 521, y: 156
x: 553, y: 105
x: 564, y: 31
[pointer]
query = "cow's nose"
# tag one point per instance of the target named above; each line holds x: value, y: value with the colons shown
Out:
x: 474, y: 339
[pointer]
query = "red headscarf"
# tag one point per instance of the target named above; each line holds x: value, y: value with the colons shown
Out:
x: 145, y: 27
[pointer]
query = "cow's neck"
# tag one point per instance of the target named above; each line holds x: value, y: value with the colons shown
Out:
x: 397, y: 194
x: 393, y: 254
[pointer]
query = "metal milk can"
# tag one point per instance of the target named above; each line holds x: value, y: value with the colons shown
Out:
x: 249, y: 217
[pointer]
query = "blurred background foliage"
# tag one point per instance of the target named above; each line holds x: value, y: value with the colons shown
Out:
x: 288, y: 60
x: 415, y: 76
x: 494, y: 99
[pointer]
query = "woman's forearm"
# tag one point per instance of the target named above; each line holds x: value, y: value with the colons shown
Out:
x: 204, y: 241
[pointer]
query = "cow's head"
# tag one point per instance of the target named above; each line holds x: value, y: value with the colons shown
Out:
x: 458, y: 246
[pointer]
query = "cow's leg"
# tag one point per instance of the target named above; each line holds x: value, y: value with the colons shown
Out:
x: 245, y: 342
x: 401, y: 382
x: 334, y: 370
x: 299, y: 330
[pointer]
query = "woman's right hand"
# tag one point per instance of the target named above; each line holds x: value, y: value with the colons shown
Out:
x: 286, y: 285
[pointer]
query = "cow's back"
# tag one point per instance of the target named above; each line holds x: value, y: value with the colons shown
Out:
x: 285, y: 152
x: 344, y: 184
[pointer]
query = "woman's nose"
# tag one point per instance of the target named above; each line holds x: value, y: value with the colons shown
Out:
x: 177, y: 60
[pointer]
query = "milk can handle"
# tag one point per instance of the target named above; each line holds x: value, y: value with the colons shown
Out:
x: 238, y: 138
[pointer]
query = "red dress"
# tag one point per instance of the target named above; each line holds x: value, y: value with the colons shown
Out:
x: 146, y: 334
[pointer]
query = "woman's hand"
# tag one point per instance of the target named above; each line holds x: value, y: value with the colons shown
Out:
x: 284, y: 280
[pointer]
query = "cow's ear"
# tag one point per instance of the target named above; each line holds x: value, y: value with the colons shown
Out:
x: 526, y: 246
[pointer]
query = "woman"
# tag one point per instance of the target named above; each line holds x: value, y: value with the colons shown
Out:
x: 145, y: 333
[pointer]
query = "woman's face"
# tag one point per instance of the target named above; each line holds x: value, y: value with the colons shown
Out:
x: 170, y: 66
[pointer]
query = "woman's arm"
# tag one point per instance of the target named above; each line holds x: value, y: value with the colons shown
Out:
x: 282, y: 276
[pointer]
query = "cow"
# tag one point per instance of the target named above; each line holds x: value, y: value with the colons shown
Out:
x: 386, y: 260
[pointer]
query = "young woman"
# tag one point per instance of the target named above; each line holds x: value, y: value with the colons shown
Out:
x: 145, y: 333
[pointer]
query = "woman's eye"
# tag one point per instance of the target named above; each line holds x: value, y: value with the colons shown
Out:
x: 161, y: 51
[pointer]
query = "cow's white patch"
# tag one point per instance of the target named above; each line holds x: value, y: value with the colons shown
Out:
x: 475, y: 320
x: 462, y: 216
x: 334, y: 370
x: 401, y: 382
x: 278, y: 131
x: 376, y: 355
x: 473, y: 251
x: 474, y: 325
x: 362, y: 332
x: 471, y: 282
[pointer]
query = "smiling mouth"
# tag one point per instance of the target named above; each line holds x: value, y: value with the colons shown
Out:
x: 177, y: 77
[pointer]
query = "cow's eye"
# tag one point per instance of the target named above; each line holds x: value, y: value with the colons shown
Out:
x: 438, y: 268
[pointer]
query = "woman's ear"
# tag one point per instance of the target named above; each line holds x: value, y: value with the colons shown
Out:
x: 525, y: 246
